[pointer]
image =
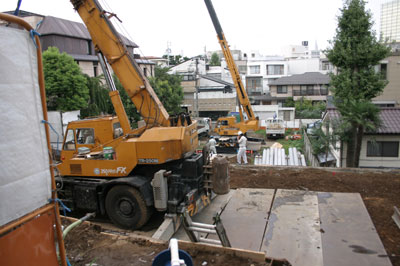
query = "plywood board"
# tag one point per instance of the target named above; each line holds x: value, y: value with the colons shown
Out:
x: 293, y: 230
x: 348, y: 234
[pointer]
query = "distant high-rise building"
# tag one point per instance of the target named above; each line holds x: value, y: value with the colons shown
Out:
x: 390, y: 21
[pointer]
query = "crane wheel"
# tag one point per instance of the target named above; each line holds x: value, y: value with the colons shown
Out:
x: 126, y: 207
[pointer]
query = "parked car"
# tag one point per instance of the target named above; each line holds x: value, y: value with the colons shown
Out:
x: 312, y: 126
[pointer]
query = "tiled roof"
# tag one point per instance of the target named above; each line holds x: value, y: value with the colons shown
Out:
x: 308, y: 78
x: 390, y: 118
x: 58, y: 26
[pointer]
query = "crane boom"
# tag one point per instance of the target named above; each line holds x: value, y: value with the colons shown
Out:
x: 107, y: 40
x: 241, y: 91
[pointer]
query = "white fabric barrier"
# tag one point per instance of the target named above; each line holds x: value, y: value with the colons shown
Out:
x: 25, y: 182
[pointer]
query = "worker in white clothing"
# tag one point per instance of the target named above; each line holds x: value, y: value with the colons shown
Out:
x: 212, y: 143
x: 242, y: 140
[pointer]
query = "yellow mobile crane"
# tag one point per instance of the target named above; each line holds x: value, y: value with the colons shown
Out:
x: 227, y: 126
x: 112, y: 169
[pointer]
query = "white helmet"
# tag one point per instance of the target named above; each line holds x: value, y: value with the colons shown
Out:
x: 240, y: 133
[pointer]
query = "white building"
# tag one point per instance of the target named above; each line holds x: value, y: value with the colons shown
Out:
x: 390, y: 21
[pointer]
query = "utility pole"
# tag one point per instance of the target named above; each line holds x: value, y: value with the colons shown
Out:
x: 196, y: 103
x: 168, y: 52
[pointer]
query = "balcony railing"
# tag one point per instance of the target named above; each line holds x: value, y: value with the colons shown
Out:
x: 313, y: 92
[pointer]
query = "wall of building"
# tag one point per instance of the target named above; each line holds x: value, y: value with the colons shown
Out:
x: 67, y: 44
x: 301, y: 66
x: 88, y: 68
x: 391, y: 162
x: 392, y: 90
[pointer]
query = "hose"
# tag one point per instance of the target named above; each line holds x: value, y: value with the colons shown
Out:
x: 76, y: 223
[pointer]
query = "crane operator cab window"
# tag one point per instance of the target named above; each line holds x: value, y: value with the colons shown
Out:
x: 69, y: 140
x: 118, y: 132
x: 222, y: 123
x: 85, y: 135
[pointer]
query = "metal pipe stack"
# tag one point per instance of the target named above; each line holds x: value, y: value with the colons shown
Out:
x: 277, y: 156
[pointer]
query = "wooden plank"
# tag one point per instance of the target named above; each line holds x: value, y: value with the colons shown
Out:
x: 246, y: 254
x: 293, y: 230
x: 348, y: 234
x: 245, y: 217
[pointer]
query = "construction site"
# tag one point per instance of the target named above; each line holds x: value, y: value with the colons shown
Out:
x: 158, y: 194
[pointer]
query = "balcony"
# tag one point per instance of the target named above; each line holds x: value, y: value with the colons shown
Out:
x: 255, y: 91
x: 311, y: 92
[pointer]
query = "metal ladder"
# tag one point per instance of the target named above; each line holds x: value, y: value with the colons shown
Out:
x: 194, y: 229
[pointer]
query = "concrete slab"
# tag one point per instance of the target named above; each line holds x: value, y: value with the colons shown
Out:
x: 348, y: 234
x: 304, y: 227
x: 293, y: 230
x: 245, y: 217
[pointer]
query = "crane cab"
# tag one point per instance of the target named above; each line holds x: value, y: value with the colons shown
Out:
x: 89, y: 133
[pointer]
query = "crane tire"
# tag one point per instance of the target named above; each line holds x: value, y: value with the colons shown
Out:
x: 126, y: 207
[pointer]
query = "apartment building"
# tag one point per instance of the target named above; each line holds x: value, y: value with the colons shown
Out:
x: 390, y: 21
x: 313, y: 86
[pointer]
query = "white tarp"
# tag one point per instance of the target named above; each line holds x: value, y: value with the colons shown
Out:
x: 25, y: 176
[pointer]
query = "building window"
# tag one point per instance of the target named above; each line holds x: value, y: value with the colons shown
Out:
x: 85, y: 135
x: 326, y: 65
x: 243, y: 69
x: 281, y: 89
x: 95, y: 67
x: 275, y: 69
x: 145, y: 71
x: 383, y: 149
x: 254, y: 69
x: 89, y: 47
x: 254, y: 85
x: 306, y: 90
x: 281, y: 103
x: 69, y: 143
x: 310, y: 90
x: 324, y: 90
x: 383, y: 70
x: 187, y: 77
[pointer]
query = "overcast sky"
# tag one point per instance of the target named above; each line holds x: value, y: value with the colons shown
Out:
x: 251, y: 25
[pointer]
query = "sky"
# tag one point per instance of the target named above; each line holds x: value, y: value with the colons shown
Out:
x: 186, y: 28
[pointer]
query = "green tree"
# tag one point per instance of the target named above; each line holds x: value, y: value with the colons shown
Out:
x: 322, y: 140
x: 168, y: 89
x: 363, y: 116
x: 66, y: 87
x: 305, y: 109
x: 99, y: 100
x: 215, y: 60
x: 355, y: 51
x: 130, y: 108
x: 289, y: 102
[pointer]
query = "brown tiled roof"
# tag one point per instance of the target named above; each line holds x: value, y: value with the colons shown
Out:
x: 390, y: 118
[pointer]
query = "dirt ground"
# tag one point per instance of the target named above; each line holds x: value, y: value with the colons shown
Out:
x: 86, y: 245
x: 380, y: 191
